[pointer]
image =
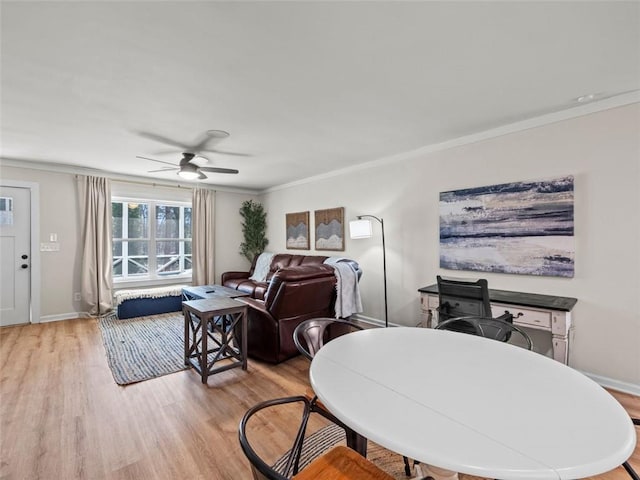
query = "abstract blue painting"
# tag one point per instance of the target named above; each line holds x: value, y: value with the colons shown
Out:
x: 520, y: 227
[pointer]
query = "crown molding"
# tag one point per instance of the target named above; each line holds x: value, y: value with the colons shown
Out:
x: 76, y: 170
x: 621, y: 100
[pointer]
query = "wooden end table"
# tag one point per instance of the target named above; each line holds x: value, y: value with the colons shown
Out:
x: 211, y: 330
x: 199, y: 292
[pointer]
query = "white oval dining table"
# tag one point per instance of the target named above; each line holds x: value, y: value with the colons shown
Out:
x: 472, y: 405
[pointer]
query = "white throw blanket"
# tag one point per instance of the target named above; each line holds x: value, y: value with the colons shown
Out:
x: 262, y: 267
x: 348, y: 299
x: 156, y: 292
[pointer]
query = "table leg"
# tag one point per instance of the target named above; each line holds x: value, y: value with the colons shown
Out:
x: 204, y: 348
x: 187, y: 337
x: 244, y: 338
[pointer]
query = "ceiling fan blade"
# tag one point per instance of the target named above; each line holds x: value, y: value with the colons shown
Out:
x: 207, y: 136
x: 161, y: 139
x: 167, y: 152
x: 163, y: 170
x: 221, y: 152
x: 217, y: 170
x: 154, y: 160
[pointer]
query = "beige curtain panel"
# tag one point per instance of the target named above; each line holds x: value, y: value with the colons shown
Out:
x: 94, y: 196
x: 203, y: 231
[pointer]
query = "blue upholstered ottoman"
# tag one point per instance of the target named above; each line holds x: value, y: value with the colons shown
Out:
x: 148, y: 301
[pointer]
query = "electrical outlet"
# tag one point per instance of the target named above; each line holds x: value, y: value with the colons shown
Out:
x: 77, y: 297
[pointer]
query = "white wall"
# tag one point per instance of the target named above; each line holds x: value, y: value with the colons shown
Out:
x: 601, y: 150
x: 229, y: 233
x: 60, y: 271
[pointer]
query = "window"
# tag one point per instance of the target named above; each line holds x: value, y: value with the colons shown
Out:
x: 151, y: 239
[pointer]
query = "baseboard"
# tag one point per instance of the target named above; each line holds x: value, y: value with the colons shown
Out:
x: 63, y: 316
x: 605, y: 382
x: 614, y: 384
x: 373, y: 321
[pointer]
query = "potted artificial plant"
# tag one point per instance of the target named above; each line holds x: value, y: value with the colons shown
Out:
x: 254, y: 226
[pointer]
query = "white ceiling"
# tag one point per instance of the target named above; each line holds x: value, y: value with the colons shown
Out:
x: 303, y: 87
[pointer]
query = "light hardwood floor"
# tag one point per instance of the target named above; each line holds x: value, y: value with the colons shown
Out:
x: 63, y: 417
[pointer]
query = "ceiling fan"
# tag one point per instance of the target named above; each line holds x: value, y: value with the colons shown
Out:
x: 202, y: 144
x: 188, y: 170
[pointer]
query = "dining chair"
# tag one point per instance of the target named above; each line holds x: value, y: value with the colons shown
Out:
x: 488, y: 327
x: 309, y: 337
x: 301, y: 461
x: 632, y: 473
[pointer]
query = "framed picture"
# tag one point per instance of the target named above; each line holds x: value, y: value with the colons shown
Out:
x: 330, y: 229
x: 521, y: 227
x: 298, y: 231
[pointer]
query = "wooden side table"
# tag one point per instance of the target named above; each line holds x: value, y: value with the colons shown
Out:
x: 210, y: 328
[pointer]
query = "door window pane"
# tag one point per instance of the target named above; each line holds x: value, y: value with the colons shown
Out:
x: 6, y: 210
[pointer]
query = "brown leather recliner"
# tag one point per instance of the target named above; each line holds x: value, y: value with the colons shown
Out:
x: 241, y: 281
x: 294, y: 294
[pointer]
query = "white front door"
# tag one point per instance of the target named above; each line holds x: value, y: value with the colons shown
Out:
x: 15, y: 255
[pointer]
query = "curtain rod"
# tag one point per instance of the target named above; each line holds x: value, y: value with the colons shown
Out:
x: 118, y: 177
x: 152, y: 184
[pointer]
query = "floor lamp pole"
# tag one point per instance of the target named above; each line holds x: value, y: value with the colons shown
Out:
x: 384, y: 267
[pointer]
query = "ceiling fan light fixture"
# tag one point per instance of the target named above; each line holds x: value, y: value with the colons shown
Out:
x: 189, y: 172
x: 188, y: 175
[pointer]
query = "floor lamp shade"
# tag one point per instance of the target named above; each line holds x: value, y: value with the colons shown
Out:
x: 360, y: 229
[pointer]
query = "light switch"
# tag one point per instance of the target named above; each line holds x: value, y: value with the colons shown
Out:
x: 53, y: 237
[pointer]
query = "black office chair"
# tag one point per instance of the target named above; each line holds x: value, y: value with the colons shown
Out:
x: 632, y: 473
x: 492, y: 328
x: 465, y: 298
x: 306, y: 450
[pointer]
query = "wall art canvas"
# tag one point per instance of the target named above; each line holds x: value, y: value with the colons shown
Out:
x: 298, y: 230
x: 521, y: 227
x: 330, y: 229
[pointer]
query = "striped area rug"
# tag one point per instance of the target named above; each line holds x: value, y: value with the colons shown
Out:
x: 328, y: 437
x: 144, y: 347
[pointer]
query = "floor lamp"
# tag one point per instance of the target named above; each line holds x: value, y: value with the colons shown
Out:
x: 361, y: 228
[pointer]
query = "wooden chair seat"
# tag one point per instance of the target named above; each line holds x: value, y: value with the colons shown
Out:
x: 342, y: 463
